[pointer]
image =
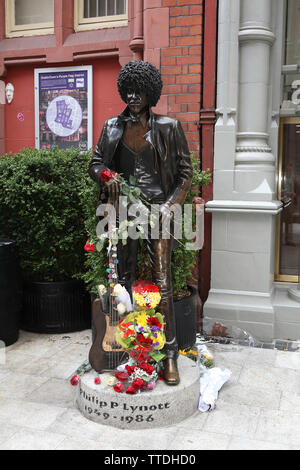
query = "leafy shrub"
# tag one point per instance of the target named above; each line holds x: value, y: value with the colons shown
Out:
x: 43, y: 207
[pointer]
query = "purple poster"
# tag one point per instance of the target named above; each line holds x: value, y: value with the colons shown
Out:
x: 63, y: 104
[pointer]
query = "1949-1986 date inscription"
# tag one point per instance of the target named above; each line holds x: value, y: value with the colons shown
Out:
x: 105, y: 409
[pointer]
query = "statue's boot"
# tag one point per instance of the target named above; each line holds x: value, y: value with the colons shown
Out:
x: 171, y: 374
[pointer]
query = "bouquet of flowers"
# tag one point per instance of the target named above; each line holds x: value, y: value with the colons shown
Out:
x: 137, y: 377
x: 142, y: 331
x: 145, y: 295
x: 142, y: 334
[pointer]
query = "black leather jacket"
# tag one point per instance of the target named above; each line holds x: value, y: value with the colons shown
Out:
x: 167, y: 137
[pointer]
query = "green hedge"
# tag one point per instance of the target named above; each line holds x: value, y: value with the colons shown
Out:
x: 43, y: 207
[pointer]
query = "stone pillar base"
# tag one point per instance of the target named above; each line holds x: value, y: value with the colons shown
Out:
x: 163, y: 406
x: 244, y: 314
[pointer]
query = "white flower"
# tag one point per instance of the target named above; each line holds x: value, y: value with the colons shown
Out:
x: 102, y: 289
x: 121, y: 308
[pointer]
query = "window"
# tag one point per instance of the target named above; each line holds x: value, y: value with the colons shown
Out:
x: 29, y: 17
x: 287, y: 256
x: 291, y: 68
x: 95, y: 14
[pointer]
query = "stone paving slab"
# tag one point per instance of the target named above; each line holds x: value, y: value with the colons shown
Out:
x: 258, y: 408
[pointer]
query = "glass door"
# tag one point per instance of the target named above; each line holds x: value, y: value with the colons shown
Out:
x: 287, y: 256
x: 288, y: 224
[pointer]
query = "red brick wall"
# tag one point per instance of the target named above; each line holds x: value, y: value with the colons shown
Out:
x: 181, y: 66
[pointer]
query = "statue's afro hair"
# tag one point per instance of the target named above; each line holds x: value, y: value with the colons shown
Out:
x: 141, y: 76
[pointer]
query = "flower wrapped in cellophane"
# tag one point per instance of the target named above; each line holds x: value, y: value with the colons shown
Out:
x: 142, y: 334
x: 145, y: 295
x: 142, y: 331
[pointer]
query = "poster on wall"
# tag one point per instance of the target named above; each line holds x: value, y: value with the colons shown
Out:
x: 63, y: 107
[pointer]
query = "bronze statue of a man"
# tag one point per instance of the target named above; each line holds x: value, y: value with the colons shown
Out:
x: 154, y: 150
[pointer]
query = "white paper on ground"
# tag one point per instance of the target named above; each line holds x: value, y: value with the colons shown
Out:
x: 210, y: 383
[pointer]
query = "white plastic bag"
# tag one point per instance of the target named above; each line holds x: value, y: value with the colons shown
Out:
x: 210, y: 383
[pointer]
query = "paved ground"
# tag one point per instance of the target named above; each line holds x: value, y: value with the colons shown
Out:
x: 258, y: 408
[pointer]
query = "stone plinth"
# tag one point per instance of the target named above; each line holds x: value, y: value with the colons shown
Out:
x: 163, y: 406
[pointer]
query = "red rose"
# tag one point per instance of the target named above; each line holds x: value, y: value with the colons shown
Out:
x: 131, y: 390
x: 107, y: 175
x: 89, y: 247
x: 97, y: 380
x: 75, y: 380
x: 138, y: 383
x: 130, y: 369
x: 121, y: 376
x: 147, y: 368
x: 119, y: 387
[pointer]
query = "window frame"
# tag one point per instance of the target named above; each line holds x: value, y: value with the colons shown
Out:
x: 98, y: 22
x: 12, y: 30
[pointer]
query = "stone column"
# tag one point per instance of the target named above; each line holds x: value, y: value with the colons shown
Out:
x: 244, y: 205
x: 253, y: 153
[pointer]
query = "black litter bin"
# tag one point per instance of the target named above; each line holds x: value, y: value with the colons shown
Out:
x: 55, y: 307
x: 10, y: 291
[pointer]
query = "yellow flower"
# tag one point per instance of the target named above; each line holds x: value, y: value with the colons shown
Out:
x: 161, y: 339
x: 151, y: 299
x: 142, y: 319
x: 209, y: 358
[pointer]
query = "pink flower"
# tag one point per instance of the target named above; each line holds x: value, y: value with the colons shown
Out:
x: 151, y: 385
x: 75, y: 380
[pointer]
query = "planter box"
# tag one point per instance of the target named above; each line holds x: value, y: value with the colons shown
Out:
x: 186, y: 320
x: 10, y: 292
x: 55, y: 307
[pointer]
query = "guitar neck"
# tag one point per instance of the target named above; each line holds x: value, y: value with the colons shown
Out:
x: 113, y: 281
